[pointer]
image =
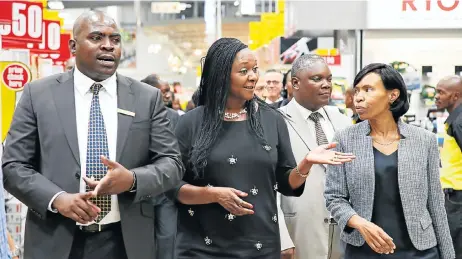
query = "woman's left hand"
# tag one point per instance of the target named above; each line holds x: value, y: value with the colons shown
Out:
x: 323, y: 155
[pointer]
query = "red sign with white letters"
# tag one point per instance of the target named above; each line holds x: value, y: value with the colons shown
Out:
x: 21, y: 21
x: 23, y: 26
x: 15, y: 76
x: 333, y: 60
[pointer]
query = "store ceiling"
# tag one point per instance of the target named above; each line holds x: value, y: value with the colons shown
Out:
x: 92, y: 4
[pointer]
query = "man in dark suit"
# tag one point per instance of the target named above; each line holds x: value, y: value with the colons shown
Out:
x: 154, y: 80
x: 86, y: 152
x: 165, y: 219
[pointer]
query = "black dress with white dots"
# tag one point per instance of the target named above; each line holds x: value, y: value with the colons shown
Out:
x: 239, y: 160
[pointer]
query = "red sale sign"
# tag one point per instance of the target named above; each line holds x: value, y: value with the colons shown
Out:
x: 21, y: 20
x: 15, y: 76
x: 333, y: 60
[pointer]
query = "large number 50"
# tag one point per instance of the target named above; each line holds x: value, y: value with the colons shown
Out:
x: 33, y: 20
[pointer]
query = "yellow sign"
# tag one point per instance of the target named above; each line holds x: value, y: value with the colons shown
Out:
x: 14, y: 76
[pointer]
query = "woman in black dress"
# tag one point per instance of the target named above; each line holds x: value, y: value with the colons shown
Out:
x: 237, y: 153
x: 388, y: 202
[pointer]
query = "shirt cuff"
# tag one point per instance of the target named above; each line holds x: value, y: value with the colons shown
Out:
x: 51, y: 202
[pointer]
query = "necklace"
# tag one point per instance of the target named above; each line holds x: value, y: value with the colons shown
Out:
x: 234, y: 115
x: 384, y: 144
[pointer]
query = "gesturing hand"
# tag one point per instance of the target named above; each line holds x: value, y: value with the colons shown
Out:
x: 117, y: 179
x: 230, y: 199
x: 76, y: 206
x: 323, y: 155
x: 376, y: 238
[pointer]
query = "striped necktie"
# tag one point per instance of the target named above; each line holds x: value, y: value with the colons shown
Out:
x: 97, y: 146
x: 321, y: 138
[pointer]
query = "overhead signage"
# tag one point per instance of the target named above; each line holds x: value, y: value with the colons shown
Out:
x: 414, y: 14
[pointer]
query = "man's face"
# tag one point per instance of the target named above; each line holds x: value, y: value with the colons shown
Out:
x: 97, y: 47
x: 273, y: 85
x: 445, y: 98
x: 166, y: 94
x: 313, y: 86
x: 260, y: 89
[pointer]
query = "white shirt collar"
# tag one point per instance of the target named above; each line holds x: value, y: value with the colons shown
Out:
x: 306, y: 113
x: 83, y: 83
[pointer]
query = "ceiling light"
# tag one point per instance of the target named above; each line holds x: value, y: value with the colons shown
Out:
x: 55, y: 5
x: 197, y: 52
x: 236, y: 3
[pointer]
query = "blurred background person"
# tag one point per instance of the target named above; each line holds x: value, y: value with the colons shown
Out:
x: 164, y: 208
x: 260, y: 89
x: 176, y: 105
x: 350, y: 110
x: 388, y: 202
x: 273, y: 80
x: 449, y: 97
x: 154, y: 80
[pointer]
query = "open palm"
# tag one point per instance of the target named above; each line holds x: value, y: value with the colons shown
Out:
x: 324, y: 155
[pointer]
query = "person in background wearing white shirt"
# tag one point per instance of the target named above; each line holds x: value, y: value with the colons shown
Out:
x: 273, y: 80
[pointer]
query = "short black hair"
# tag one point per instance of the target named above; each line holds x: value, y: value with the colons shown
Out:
x: 152, y: 80
x: 391, y: 79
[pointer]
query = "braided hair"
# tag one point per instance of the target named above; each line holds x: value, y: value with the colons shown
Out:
x: 213, y: 90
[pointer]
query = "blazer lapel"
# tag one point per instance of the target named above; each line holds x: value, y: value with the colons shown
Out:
x: 125, y: 101
x: 300, y: 125
x: 404, y: 147
x: 64, y: 98
x: 365, y: 164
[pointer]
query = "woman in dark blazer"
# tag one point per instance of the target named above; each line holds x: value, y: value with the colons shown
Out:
x: 390, y: 197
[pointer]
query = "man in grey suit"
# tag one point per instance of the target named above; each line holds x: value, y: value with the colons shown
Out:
x: 311, y: 123
x: 165, y: 209
x: 86, y: 152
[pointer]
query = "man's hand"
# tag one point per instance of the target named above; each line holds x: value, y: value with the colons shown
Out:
x: 76, y: 206
x: 288, y: 253
x: 117, y: 179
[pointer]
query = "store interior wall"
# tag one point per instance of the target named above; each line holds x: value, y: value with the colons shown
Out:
x: 441, y: 49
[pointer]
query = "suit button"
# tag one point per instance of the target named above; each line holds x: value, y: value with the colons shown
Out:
x: 326, y: 220
x: 77, y: 175
x: 148, y: 197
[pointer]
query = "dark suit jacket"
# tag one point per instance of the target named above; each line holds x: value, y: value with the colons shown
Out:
x: 41, y: 158
x: 173, y: 116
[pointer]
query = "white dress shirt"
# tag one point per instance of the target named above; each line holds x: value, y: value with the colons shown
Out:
x: 268, y: 101
x: 325, y: 123
x: 108, y: 104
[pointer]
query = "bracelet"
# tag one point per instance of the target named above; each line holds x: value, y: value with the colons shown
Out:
x: 134, y: 182
x: 300, y: 174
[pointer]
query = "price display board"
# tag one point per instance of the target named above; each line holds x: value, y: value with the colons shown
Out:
x: 21, y: 21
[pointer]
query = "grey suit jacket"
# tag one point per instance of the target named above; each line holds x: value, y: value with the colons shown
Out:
x: 41, y: 158
x: 305, y: 215
x: 350, y: 187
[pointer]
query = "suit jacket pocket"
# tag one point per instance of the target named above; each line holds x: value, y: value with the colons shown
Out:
x: 145, y: 124
x: 426, y: 221
x: 147, y: 209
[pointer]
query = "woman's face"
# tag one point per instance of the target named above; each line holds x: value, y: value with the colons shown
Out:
x: 371, y: 98
x: 244, y: 75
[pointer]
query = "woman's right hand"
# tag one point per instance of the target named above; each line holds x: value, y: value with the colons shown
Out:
x: 230, y: 199
x: 376, y: 237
